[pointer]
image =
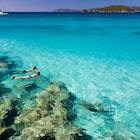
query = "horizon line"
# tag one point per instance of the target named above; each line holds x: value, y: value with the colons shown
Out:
x: 72, y: 8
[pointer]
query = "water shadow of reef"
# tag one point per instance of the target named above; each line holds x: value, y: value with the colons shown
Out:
x: 5, y: 66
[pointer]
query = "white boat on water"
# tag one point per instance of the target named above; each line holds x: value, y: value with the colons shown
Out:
x: 3, y: 13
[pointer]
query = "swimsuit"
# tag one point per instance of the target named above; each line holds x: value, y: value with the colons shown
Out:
x: 24, y: 71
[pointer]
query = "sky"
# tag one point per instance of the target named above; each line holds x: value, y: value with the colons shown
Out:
x: 51, y: 5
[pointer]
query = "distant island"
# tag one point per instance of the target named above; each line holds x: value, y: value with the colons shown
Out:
x: 107, y: 9
x: 66, y: 10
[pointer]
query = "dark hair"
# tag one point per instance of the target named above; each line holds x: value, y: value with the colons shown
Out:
x: 34, y: 67
x: 38, y: 73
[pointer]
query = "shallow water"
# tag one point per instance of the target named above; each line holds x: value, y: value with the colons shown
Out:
x: 95, y: 55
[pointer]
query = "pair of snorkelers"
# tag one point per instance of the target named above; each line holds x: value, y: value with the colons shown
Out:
x: 25, y: 71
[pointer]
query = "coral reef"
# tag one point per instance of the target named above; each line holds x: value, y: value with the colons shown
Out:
x: 47, y: 119
x: 4, y: 89
x: 96, y: 107
x: 124, y: 135
x: 6, y: 108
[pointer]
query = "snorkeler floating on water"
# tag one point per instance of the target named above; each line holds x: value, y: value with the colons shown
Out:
x: 27, y: 76
x: 25, y: 71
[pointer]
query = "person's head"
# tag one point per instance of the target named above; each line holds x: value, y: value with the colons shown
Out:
x: 38, y: 73
x: 34, y: 67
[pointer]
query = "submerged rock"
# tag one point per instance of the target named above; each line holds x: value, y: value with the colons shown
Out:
x: 125, y: 135
x: 4, y: 89
x: 96, y: 107
x: 7, y: 105
x: 47, y: 119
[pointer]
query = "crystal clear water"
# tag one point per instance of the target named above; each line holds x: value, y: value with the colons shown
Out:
x: 96, y: 55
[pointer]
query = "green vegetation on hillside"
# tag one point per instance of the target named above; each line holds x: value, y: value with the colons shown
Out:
x: 111, y: 8
x: 114, y: 8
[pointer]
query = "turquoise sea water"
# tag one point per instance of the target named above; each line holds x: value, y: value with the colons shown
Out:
x: 97, y: 56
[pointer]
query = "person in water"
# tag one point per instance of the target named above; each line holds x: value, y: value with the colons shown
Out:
x: 27, y: 76
x: 30, y: 70
x: 25, y: 71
